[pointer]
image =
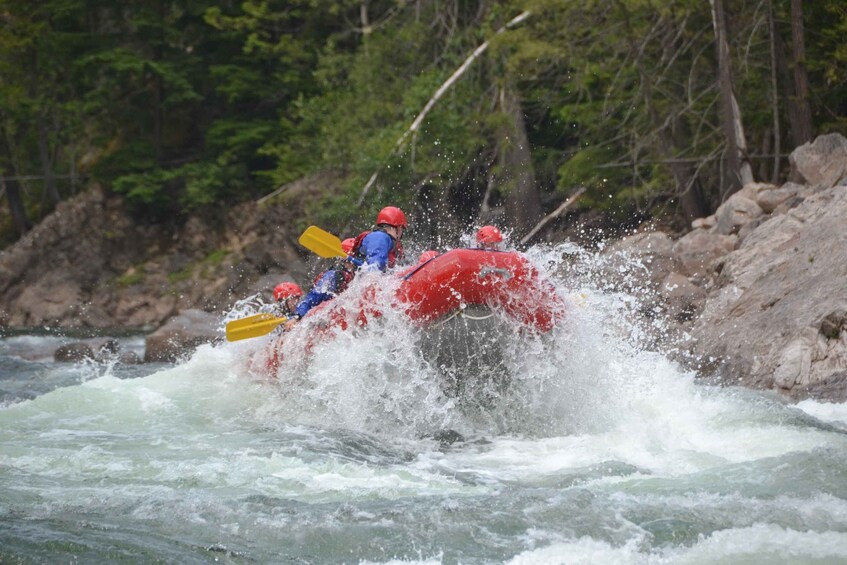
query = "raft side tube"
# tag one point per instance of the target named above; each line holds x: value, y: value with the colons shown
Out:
x: 500, y: 280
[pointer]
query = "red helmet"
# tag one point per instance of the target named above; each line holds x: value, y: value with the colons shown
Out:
x: 392, y: 216
x: 347, y: 245
x: 488, y: 234
x: 427, y: 255
x: 286, y: 290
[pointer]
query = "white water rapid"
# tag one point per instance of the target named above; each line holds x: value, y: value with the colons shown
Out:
x: 588, y: 445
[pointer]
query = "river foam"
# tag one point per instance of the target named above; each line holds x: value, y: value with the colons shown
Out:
x: 596, y: 449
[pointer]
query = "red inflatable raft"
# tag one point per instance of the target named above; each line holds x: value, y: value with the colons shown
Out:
x: 504, y: 282
x: 500, y: 280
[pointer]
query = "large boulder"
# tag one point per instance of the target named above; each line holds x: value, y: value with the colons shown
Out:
x: 180, y: 335
x: 769, y: 200
x: 778, y: 319
x: 735, y: 212
x: 73, y: 352
x: 698, y: 250
x: 821, y: 162
x: 641, y: 260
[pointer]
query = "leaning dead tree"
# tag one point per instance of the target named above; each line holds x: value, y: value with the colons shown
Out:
x: 740, y: 169
x: 416, y: 124
x: 554, y: 214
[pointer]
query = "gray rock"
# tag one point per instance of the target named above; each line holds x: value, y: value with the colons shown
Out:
x: 750, y: 227
x: 704, y: 223
x: 180, y: 335
x: 822, y: 161
x: 794, y: 364
x: 768, y: 200
x: 778, y: 319
x: 735, y: 212
x: 129, y: 358
x: 697, y: 250
x: 73, y: 352
x: 752, y: 190
x: 683, y: 299
x: 832, y: 388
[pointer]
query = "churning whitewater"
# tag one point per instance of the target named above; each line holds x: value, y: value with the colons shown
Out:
x: 389, y: 444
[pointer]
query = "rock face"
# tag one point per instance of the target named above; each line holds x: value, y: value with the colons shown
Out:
x: 761, y: 286
x: 91, y: 264
x: 778, y: 319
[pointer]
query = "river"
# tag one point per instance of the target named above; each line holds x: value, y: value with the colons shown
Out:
x: 598, y: 449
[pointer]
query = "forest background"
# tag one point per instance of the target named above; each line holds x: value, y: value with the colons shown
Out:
x: 472, y: 110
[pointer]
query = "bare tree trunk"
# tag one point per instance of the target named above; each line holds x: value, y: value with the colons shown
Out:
x: 739, y: 171
x: 517, y: 176
x: 50, y: 190
x: 159, y: 90
x: 12, y: 188
x: 787, y: 87
x: 801, y: 78
x: 363, y: 17
x: 16, y: 206
x: 777, y: 141
x: 51, y: 193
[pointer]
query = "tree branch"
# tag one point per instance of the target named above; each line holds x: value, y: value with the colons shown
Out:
x: 412, y: 129
x: 553, y: 215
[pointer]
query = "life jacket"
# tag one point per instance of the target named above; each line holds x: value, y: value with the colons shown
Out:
x: 395, y: 253
x: 342, y: 277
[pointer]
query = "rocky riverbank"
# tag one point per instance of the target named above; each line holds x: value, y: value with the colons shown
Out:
x: 758, y: 290
x: 91, y: 264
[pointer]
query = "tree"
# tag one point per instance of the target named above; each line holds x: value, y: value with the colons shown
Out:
x: 11, y: 189
x: 799, y: 108
x: 517, y: 175
x: 739, y: 171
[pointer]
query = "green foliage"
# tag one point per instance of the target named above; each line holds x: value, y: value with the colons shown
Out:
x: 206, y: 267
x: 132, y: 277
x: 215, y: 257
x: 181, y: 276
x: 180, y: 105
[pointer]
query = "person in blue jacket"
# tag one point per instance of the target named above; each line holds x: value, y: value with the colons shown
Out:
x: 327, y: 285
x: 379, y: 249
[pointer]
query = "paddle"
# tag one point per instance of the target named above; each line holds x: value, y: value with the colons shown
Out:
x: 252, y: 326
x: 321, y: 242
x: 314, y: 239
x: 324, y: 244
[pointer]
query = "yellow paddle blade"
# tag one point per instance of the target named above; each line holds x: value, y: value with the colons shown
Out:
x: 252, y: 326
x: 249, y: 321
x: 321, y: 242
